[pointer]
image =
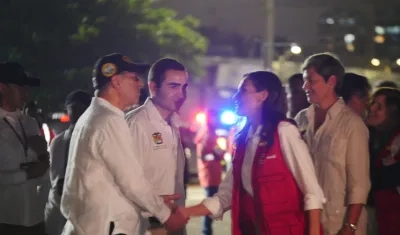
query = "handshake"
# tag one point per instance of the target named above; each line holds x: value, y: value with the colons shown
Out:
x: 179, y: 215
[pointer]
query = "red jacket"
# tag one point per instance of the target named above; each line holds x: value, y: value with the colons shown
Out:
x: 387, y: 200
x: 276, y: 207
x: 209, y: 171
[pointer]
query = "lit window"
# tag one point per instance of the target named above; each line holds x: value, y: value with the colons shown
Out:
x: 393, y: 29
x: 330, y: 20
x: 379, y: 30
x: 349, y: 38
x: 379, y: 39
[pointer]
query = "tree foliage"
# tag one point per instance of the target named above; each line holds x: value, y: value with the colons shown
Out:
x: 59, y: 41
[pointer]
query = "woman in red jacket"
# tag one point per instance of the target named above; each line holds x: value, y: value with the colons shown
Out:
x: 383, y: 121
x: 272, y: 181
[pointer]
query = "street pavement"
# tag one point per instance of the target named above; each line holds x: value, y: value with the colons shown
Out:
x: 195, y: 194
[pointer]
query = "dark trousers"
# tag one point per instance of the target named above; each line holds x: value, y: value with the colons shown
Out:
x: 207, y: 221
x: 9, y: 229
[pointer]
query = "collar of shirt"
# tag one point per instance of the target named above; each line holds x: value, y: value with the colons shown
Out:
x: 100, y: 102
x: 10, y: 115
x: 333, y: 111
x: 154, y: 115
x: 251, y: 134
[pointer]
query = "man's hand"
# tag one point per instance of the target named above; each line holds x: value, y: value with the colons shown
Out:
x: 36, y: 169
x: 38, y: 144
x: 176, y: 221
x: 169, y: 200
x: 346, y: 231
x: 184, y: 211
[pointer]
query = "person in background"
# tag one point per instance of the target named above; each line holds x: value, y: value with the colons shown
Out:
x: 295, y: 95
x: 383, y: 120
x: 32, y: 109
x: 271, y: 188
x: 76, y: 104
x: 155, y: 132
x: 385, y: 83
x: 355, y: 91
x: 209, y: 156
x: 105, y: 187
x: 24, y: 158
x: 338, y: 140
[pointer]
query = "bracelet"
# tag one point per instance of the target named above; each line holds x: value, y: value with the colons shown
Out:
x: 353, y: 227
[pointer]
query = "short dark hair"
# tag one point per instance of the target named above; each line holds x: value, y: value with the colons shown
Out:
x: 386, y: 83
x: 160, y: 67
x: 325, y: 65
x: 295, y: 77
x: 78, y: 96
x: 354, y: 84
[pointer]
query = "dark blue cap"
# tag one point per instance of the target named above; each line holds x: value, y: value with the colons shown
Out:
x: 113, y: 64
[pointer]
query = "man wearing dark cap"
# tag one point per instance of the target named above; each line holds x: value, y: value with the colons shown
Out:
x: 105, y: 188
x: 76, y: 104
x: 23, y: 157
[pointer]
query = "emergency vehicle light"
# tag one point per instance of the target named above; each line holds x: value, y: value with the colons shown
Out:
x: 64, y: 118
x: 201, y: 118
x: 228, y: 117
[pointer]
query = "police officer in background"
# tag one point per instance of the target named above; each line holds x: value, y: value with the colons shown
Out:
x: 23, y: 157
x: 155, y: 131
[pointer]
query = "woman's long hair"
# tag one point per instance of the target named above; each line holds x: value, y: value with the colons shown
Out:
x: 392, y: 102
x: 273, y: 108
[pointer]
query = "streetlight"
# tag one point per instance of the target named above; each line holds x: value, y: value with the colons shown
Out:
x: 398, y: 62
x: 269, y: 33
x: 295, y: 49
x: 375, y: 62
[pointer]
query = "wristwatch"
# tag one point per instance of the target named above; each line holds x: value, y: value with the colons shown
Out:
x: 353, y: 227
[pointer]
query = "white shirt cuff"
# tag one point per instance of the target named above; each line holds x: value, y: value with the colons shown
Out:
x: 214, y: 206
x: 164, y: 214
x: 312, y: 202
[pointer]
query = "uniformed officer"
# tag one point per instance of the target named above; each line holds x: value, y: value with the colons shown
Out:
x: 155, y: 131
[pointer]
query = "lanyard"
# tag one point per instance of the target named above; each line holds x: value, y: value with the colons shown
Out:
x: 22, y: 139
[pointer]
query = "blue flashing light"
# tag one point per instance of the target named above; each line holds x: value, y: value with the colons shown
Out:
x: 228, y: 117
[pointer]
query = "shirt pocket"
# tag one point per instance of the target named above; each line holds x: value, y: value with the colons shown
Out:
x: 336, y: 149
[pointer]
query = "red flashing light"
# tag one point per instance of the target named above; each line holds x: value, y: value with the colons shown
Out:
x: 201, y: 118
x: 64, y: 118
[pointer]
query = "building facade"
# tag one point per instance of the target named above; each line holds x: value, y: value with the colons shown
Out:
x: 345, y: 28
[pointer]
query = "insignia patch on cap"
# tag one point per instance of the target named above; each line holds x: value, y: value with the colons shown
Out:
x: 127, y: 60
x: 109, y: 69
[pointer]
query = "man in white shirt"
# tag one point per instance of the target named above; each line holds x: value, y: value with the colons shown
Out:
x: 76, y: 103
x: 338, y: 141
x: 154, y: 128
x: 105, y: 188
x: 23, y: 158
